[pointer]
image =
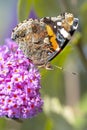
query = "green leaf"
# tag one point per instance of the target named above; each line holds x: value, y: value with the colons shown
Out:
x: 24, y: 7
x: 2, y: 124
x: 49, y: 124
x: 77, y: 38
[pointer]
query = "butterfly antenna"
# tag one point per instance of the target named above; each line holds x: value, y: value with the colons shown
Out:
x: 61, y: 68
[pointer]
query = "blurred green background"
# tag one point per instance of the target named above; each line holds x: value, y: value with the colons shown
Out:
x: 64, y: 91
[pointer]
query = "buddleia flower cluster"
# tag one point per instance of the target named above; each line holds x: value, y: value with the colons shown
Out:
x: 19, y: 84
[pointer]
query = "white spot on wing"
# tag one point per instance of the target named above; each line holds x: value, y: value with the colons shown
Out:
x: 46, y: 40
x: 58, y: 49
x: 65, y: 34
x: 54, y: 26
x: 59, y: 23
x: 54, y: 19
x: 48, y: 17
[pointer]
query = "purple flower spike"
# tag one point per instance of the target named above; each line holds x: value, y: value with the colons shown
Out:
x: 32, y: 14
x: 19, y: 84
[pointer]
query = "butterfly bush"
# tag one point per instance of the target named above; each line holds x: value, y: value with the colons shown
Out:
x: 19, y: 84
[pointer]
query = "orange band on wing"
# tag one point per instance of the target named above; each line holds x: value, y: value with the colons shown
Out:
x: 52, y: 38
